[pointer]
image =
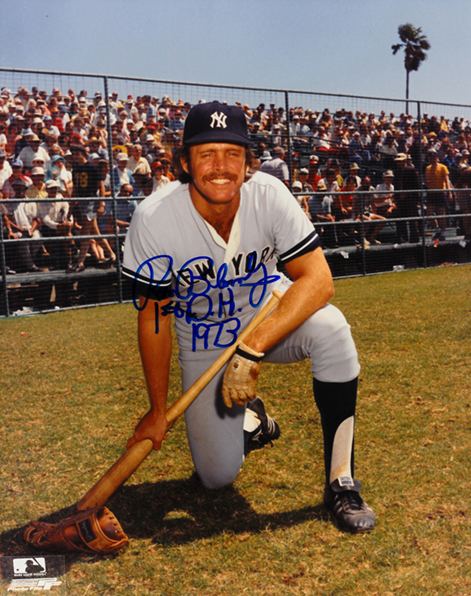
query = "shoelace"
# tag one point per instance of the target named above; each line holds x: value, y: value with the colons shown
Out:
x: 271, y: 426
x: 351, y: 500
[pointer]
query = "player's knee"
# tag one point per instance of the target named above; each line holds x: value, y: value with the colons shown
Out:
x: 326, y: 322
x: 214, y: 479
x: 334, y: 355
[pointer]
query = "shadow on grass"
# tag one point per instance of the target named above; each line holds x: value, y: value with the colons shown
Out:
x: 175, y: 512
x: 179, y: 511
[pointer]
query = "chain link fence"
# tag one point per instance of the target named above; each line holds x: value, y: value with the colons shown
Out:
x: 82, y: 150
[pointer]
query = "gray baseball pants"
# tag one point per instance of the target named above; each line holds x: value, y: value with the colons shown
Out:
x: 215, y: 433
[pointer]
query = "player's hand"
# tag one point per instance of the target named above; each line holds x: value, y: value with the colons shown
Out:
x: 152, y: 426
x: 240, y: 379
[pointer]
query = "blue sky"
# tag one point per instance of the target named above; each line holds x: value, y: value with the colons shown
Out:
x: 339, y: 46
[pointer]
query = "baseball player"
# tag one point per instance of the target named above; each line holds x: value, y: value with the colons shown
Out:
x: 205, y: 248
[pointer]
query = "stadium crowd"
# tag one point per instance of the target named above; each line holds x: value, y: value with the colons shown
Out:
x: 55, y: 146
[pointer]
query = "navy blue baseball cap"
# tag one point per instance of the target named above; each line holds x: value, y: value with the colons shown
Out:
x: 215, y: 122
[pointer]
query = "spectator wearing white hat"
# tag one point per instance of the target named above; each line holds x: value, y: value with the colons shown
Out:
x: 32, y: 149
x: 277, y: 166
x: 303, y: 176
x: 38, y: 189
x: 20, y: 221
x: 383, y: 203
x: 314, y: 177
x: 406, y: 178
x: 462, y: 161
x: 57, y: 221
x: 353, y: 171
x: 121, y: 173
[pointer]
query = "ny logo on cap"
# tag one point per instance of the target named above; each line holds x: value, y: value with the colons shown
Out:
x: 218, y: 120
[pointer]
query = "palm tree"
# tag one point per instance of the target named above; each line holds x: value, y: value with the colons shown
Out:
x: 415, y: 45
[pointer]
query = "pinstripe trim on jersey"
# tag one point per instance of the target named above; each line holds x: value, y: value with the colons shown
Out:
x: 142, y: 286
x: 309, y: 243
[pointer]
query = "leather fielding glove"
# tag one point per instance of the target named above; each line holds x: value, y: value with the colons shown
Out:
x: 92, y: 531
x: 240, y: 379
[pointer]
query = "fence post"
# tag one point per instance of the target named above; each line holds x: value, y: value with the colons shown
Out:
x: 113, y: 189
x: 288, y: 139
x: 3, y: 265
x: 362, y: 234
x: 421, y: 184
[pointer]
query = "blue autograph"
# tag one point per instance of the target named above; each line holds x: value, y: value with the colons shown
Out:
x: 195, y: 281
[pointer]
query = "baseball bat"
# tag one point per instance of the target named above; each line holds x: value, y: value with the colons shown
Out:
x: 132, y: 458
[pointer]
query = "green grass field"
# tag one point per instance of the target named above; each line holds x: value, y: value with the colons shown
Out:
x: 72, y: 391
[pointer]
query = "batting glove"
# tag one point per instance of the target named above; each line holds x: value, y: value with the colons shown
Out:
x: 240, y: 379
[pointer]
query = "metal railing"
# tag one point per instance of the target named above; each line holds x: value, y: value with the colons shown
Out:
x: 280, y: 105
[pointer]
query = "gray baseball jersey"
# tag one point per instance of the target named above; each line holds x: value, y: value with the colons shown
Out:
x: 171, y: 251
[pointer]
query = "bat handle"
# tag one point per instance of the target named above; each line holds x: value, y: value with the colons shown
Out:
x: 132, y: 458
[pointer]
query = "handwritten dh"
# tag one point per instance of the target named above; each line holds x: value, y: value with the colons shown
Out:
x: 218, y: 294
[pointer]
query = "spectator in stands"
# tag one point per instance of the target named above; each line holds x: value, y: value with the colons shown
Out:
x: 62, y: 175
x: 9, y: 232
x: 166, y: 165
x: 437, y: 178
x: 31, y: 150
x: 330, y: 181
x: 5, y: 170
x: 314, y: 176
x: 17, y: 174
x: 140, y: 168
x: 25, y: 217
x: 344, y: 211
x: 121, y: 173
x: 38, y: 189
x: 297, y: 188
x: 265, y: 156
x: 276, y: 136
x: 57, y: 221
x: 462, y: 161
x: 362, y: 211
x: 124, y: 211
x: 320, y: 211
x: 125, y: 207
x: 358, y: 147
x: 158, y: 177
x: 334, y: 164
x: 387, y: 150
x: 346, y: 201
x: 18, y: 256
x: 97, y: 145
x: 406, y: 178
x: 464, y: 202
x: 354, y: 171
x: 277, y: 166
x: 321, y: 140
x: 303, y: 176
x: 86, y: 181
x: 77, y: 118
x: 383, y: 202
x: 3, y: 135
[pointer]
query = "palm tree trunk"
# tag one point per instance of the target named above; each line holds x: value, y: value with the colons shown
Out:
x: 407, y: 92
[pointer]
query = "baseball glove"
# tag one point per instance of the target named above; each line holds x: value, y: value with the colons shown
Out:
x: 91, y: 531
x: 240, y: 379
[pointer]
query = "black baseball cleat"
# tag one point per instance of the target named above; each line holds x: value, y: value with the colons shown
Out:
x: 351, y: 513
x: 259, y: 427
